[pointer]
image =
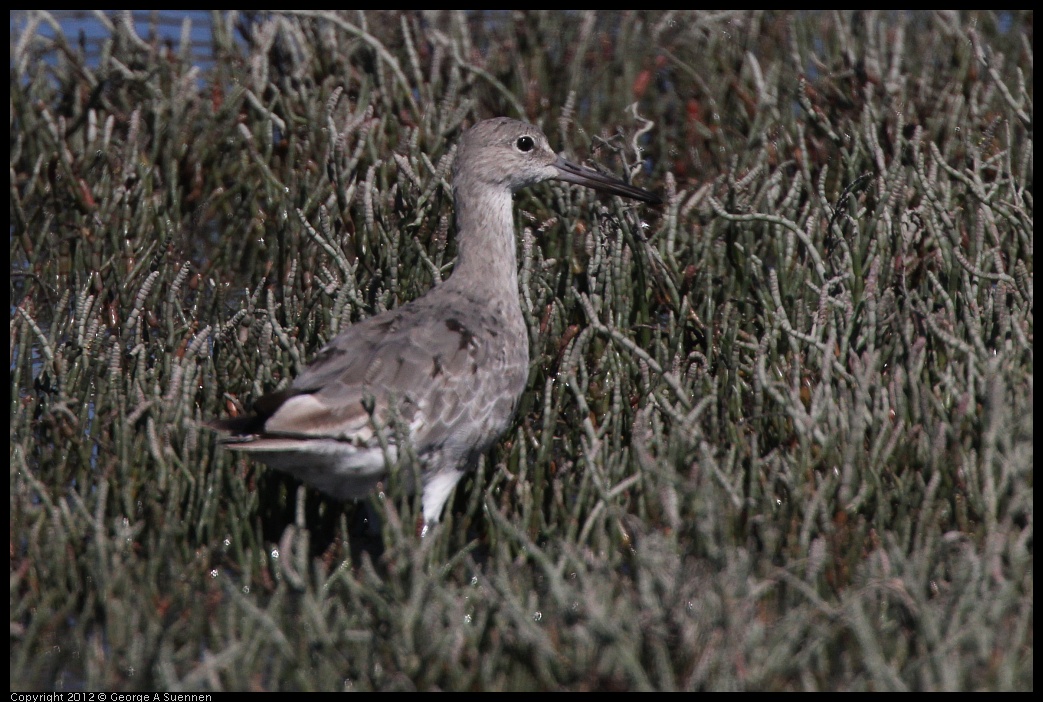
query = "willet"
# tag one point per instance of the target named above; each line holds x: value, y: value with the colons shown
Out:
x: 447, y: 368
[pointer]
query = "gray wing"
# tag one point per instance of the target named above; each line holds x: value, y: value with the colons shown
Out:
x: 449, y: 377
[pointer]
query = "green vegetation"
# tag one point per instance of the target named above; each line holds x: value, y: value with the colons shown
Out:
x: 777, y: 434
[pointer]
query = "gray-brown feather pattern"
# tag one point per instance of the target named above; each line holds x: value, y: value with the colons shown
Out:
x: 443, y: 355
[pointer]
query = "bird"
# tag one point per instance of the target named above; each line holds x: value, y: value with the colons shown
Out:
x: 444, y: 372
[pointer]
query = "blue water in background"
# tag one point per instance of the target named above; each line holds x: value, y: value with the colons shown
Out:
x: 86, y: 31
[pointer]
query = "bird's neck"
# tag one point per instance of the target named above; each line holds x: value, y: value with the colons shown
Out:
x: 487, y: 260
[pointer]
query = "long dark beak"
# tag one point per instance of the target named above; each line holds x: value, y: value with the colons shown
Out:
x: 581, y: 175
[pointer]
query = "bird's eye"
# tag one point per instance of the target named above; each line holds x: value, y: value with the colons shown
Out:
x: 526, y: 143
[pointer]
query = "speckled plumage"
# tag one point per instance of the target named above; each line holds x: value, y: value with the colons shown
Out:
x: 450, y: 366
